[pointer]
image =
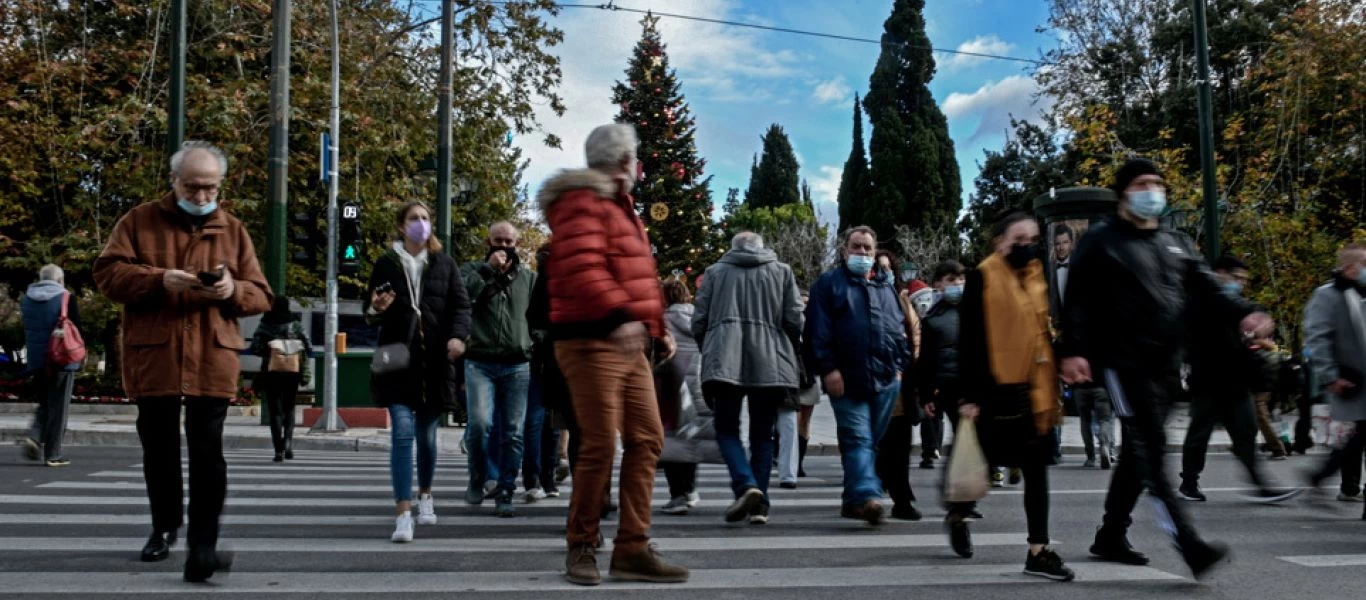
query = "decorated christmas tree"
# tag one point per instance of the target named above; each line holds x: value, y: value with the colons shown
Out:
x: 674, y: 199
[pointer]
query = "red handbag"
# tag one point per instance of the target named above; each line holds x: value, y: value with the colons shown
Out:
x: 65, y: 347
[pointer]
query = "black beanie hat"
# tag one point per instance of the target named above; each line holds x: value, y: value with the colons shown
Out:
x: 1132, y: 169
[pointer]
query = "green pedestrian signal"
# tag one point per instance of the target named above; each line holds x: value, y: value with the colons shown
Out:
x: 350, y: 253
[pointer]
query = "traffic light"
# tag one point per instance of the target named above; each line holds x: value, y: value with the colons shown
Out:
x: 304, y: 236
x: 349, y: 239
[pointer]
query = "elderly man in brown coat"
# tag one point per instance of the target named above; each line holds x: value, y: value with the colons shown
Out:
x: 185, y: 272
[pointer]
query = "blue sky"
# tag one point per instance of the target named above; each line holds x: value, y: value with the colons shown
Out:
x: 738, y: 80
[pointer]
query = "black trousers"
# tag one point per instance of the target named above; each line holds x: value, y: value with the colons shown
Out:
x: 280, y: 390
x: 894, y: 460
x: 1142, y: 402
x: 682, y: 477
x: 1234, y: 409
x: 1348, y: 460
x: 159, y: 430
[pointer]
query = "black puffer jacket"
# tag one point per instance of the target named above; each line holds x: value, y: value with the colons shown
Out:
x: 427, y: 385
x: 1129, y: 297
x: 937, y: 368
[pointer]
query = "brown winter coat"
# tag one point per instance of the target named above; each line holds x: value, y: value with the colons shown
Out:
x: 184, y: 344
x: 602, y: 273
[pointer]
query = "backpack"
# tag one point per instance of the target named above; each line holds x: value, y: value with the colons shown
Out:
x: 65, y: 347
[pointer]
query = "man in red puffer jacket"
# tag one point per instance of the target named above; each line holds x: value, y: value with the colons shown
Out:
x: 605, y: 310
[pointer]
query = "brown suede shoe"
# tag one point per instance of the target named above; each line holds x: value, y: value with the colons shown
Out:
x: 646, y: 566
x: 871, y: 511
x: 581, y: 566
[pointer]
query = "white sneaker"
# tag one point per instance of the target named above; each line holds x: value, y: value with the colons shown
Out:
x: 403, y: 529
x: 426, y: 510
x: 534, y: 494
x: 694, y: 499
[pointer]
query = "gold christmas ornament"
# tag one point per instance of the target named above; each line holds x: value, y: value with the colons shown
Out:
x: 659, y: 211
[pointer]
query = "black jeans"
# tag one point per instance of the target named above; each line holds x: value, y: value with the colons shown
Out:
x: 1348, y: 460
x: 280, y: 390
x: 1235, y: 410
x: 159, y: 430
x: 1036, y: 501
x: 1142, y: 402
x: 682, y: 478
x: 894, y: 460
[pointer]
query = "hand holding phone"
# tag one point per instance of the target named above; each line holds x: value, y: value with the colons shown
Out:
x: 382, y: 297
x: 209, y: 278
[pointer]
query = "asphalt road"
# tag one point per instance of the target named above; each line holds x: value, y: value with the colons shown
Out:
x: 319, y: 527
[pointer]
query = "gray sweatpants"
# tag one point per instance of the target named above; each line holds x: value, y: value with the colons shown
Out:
x: 52, y: 392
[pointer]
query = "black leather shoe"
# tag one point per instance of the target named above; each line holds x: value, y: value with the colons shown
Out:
x: 158, y: 547
x: 279, y: 457
x: 200, y: 567
x: 1113, y: 548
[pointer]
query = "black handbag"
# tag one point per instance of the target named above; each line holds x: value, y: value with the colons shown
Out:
x: 391, y: 358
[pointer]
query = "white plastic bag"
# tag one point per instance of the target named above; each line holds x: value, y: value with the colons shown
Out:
x: 967, y: 478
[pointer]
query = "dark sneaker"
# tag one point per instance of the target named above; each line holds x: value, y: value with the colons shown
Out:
x: 1016, y: 476
x: 502, y: 506
x: 676, y: 506
x: 30, y: 448
x: 645, y: 566
x: 870, y: 511
x: 788, y: 485
x: 1112, y: 548
x: 927, y: 464
x: 474, y: 494
x: 58, y: 462
x: 1191, y: 491
x: 960, y: 539
x: 1274, y: 495
x: 973, y: 515
x: 1089, y: 464
x: 905, y: 512
x: 581, y: 566
x: 759, y: 516
x: 1204, y: 556
x: 1105, y: 462
x: 744, y: 505
x: 1048, y: 564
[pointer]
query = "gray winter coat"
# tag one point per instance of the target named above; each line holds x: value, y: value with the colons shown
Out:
x: 748, y: 317
x: 1333, y: 341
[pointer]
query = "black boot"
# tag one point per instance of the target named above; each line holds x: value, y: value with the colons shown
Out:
x: 801, y: 456
x: 289, y: 448
x: 200, y: 566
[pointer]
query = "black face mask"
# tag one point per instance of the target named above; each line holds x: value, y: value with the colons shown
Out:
x: 1020, y: 255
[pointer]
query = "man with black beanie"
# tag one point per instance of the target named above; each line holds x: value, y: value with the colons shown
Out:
x: 1131, y: 286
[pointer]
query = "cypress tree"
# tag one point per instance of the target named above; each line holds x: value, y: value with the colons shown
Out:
x: 914, y: 171
x: 773, y: 181
x: 853, y: 182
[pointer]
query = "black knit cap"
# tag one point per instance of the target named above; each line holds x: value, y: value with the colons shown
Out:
x: 1133, y: 169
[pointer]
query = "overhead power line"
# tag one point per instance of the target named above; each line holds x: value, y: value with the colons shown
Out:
x: 611, y: 5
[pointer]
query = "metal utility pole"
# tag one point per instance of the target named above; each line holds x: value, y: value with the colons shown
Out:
x: 175, y: 112
x: 279, y: 150
x: 330, y: 420
x: 1211, y: 183
x: 443, y: 135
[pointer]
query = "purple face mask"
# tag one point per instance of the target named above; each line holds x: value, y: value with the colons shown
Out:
x: 418, y: 231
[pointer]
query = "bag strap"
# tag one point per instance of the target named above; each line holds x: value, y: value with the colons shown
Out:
x: 1354, y: 311
x: 66, y: 298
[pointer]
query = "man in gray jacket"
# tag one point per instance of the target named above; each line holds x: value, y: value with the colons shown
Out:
x: 746, y: 321
x: 1335, y: 338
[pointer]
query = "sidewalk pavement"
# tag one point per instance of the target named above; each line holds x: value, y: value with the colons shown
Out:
x: 105, y: 425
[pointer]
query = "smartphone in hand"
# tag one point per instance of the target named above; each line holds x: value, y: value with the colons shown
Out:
x: 210, y: 278
x: 384, y: 288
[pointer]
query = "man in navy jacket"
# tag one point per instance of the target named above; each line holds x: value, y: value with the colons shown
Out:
x: 856, y: 332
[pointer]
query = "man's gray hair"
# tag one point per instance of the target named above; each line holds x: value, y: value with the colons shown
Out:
x: 609, y: 145
x: 193, y: 145
x: 51, y: 272
x: 747, y: 240
x: 859, y: 229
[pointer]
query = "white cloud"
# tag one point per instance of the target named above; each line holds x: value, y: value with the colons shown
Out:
x: 982, y: 44
x: 994, y: 104
x: 825, y: 186
x: 833, y: 91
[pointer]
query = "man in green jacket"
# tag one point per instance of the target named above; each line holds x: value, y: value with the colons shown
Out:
x: 497, y: 369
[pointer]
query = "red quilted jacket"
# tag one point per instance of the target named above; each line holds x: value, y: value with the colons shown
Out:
x: 601, y: 272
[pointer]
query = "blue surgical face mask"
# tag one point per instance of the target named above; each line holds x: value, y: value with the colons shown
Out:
x: 1147, y: 204
x: 1233, y: 288
x: 860, y: 265
x: 196, y: 210
x: 953, y: 293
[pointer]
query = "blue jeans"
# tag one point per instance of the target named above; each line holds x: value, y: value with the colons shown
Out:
x: 861, y: 421
x: 409, y: 427
x: 504, y: 386
x: 534, y: 426
x: 755, y: 472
